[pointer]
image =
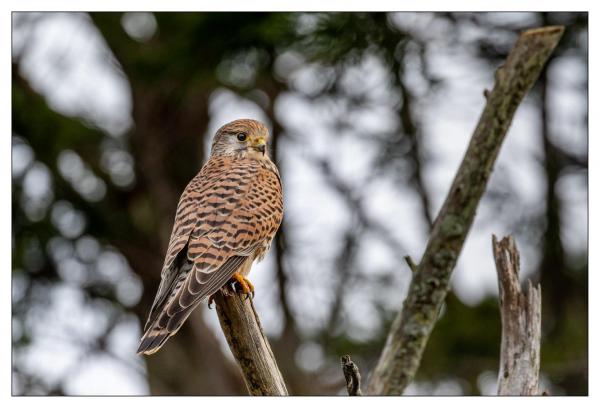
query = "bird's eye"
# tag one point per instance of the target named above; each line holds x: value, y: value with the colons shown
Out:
x: 241, y: 137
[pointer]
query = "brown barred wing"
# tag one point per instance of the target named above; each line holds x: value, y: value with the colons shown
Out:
x: 207, y: 200
x: 190, y: 210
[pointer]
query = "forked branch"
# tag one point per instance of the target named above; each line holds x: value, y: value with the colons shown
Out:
x: 410, y: 330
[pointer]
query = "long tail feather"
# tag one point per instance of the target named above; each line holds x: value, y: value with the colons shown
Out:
x: 153, y: 340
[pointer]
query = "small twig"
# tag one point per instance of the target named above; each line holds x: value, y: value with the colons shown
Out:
x: 352, y: 376
x: 521, y: 324
x: 411, y: 264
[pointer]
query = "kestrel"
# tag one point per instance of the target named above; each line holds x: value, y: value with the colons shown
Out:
x: 226, y: 218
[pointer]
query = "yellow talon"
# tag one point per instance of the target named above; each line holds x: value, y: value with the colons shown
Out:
x: 246, y: 286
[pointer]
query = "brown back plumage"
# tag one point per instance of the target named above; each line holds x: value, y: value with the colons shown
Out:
x: 227, y: 216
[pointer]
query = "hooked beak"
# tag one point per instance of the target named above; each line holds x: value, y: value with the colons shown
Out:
x: 260, y: 145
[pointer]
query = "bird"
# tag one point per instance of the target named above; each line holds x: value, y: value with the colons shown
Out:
x: 226, y: 218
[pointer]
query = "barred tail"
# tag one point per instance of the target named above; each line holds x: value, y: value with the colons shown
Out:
x: 163, y: 327
x: 154, y: 338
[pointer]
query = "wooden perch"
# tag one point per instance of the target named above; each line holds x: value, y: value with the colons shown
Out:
x: 410, y: 330
x: 521, y: 324
x: 249, y: 345
x: 352, y: 376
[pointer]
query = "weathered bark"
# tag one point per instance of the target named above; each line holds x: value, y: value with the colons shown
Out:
x: 410, y: 330
x: 521, y: 324
x: 249, y: 345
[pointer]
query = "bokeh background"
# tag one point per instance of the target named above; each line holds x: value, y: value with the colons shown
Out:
x: 370, y: 115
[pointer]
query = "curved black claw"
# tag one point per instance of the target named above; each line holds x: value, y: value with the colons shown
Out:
x: 228, y: 289
x: 242, y: 286
x: 233, y: 289
x: 235, y: 286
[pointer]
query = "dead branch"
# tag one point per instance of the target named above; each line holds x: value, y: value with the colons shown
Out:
x: 352, y: 376
x: 410, y: 330
x: 521, y: 324
x: 249, y: 345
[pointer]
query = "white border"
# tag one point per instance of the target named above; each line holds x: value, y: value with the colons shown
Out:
x: 305, y: 5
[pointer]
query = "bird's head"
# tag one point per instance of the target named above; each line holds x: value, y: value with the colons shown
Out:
x: 243, y: 138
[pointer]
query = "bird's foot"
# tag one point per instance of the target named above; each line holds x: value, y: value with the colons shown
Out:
x: 242, y: 285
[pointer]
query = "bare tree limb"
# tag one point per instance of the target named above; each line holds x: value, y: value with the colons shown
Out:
x: 410, y: 330
x: 521, y: 324
x: 249, y: 345
x: 352, y: 376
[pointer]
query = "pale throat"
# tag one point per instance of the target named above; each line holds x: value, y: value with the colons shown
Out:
x: 254, y: 154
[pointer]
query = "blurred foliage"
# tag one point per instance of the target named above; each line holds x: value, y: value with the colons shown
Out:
x: 94, y: 210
